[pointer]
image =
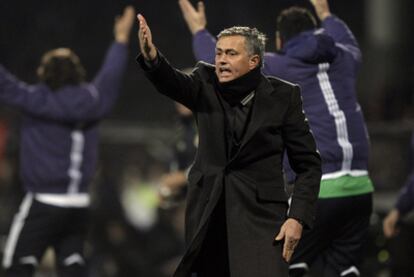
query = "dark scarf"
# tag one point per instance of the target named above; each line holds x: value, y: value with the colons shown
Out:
x: 234, y: 91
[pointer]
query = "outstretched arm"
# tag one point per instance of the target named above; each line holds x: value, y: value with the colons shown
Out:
x: 169, y: 81
x: 336, y: 28
x: 74, y: 103
x: 204, y: 43
x: 108, y: 80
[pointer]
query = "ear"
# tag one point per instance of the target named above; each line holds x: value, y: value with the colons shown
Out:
x: 40, y: 71
x: 254, y: 61
x: 278, y: 41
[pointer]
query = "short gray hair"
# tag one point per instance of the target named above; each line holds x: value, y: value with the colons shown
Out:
x: 255, y: 40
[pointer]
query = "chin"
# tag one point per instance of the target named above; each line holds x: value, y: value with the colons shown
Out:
x: 225, y: 79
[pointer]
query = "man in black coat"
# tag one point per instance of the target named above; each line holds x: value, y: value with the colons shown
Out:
x: 238, y: 221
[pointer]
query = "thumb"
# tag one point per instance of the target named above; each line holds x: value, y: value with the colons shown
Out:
x: 281, y: 234
x: 200, y: 7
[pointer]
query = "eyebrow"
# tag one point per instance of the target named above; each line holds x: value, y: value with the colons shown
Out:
x: 226, y: 50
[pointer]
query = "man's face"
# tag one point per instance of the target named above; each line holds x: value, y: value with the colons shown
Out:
x: 232, y: 59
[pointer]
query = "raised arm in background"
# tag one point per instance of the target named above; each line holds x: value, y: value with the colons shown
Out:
x: 203, y: 42
x: 86, y: 101
x: 336, y: 28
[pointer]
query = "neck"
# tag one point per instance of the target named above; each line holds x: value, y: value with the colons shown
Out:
x: 234, y: 91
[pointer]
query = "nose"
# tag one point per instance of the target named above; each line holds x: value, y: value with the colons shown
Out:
x: 222, y: 59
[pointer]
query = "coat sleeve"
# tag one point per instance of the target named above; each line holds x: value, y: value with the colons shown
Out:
x: 85, y: 102
x: 108, y: 80
x: 204, y: 46
x: 304, y: 160
x: 342, y: 35
x: 173, y: 83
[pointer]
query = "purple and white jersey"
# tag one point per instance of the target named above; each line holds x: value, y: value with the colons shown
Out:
x: 59, y: 132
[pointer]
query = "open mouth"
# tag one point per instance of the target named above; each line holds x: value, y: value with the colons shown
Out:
x: 224, y: 71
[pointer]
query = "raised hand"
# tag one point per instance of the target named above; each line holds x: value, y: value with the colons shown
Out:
x: 291, y: 232
x: 196, y: 19
x: 148, y: 49
x: 321, y: 8
x: 123, y: 25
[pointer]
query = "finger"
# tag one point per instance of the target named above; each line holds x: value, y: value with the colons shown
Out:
x: 280, y: 236
x: 143, y: 25
x: 143, y: 33
x: 285, y: 252
x: 141, y: 19
x: 293, y: 243
x: 129, y: 11
x: 200, y: 7
x: 288, y: 249
x: 186, y: 6
x: 288, y: 255
x: 128, y: 16
x: 145, y: 37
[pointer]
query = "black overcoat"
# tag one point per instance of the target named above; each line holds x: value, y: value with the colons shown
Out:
x: 256, y: 201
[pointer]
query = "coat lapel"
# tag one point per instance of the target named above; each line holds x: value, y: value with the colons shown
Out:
x: 218, y: 120
x: 262, y: 104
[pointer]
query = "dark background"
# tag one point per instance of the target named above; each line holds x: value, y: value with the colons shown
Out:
x: 29, y: 28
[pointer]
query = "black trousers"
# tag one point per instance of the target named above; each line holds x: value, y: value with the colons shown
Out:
x: 36, y: 227
x: 337, y: 239
x: 213, y: 260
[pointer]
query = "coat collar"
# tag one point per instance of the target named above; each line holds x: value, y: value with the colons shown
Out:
x: 263, y: 103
